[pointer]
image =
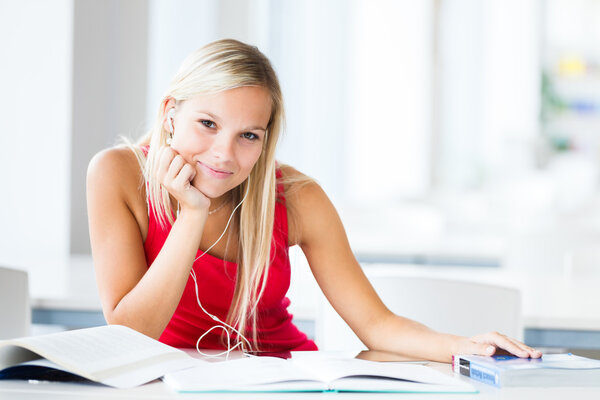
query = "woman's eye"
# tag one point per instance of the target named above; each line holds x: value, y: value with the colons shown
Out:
x: 250, y: 136
x: 208, y: 123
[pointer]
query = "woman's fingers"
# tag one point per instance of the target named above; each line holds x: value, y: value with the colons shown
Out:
x: 481, y: 349
x: 173, y: 171
x: 487, y: 344
x: 516, y: 347
x: 165, y: 156
x: 175, y: 175
x: 175, y: 167
x: 184, y: 176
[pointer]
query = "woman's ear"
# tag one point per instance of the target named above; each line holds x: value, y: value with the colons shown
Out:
x: 167, y: 105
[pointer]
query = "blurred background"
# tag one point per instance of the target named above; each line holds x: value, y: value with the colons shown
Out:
x: 446, y: 132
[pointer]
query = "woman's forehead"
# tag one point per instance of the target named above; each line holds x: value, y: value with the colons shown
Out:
x: 252, y: 102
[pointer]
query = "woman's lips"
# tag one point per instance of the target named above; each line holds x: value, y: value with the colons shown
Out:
x: 214, y: 172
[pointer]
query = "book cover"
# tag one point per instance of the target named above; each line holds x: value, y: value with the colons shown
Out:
x: 550, y: 370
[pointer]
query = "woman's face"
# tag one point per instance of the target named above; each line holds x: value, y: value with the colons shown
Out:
x: 222, y: 135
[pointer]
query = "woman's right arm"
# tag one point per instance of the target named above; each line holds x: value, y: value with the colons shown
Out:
x: 132, y: 294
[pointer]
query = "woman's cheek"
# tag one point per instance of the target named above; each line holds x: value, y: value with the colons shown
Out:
x: 187, y: 142
x: 253, y: 158
x: 182, y: 148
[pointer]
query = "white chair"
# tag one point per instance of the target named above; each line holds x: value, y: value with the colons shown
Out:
x: 457, y: 307
x: 15, y: 311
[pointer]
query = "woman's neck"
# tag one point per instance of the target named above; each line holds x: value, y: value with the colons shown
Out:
x: 219, y: 203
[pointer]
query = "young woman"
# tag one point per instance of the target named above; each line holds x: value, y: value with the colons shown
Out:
x: 158, y: 210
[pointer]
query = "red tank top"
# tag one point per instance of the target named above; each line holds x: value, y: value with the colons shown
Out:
x: 216, y: 284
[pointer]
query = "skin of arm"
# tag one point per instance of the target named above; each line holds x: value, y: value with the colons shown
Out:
x: 131, y: 294
x: 316, y: 227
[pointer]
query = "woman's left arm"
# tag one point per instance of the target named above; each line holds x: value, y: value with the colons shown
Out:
x: 316, y: 227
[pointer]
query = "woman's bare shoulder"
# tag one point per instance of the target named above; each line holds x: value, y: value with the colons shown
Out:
x: 119, y: 158
x: 298, y: 187
x: 115, y: 168
x: 294, y: 180
x: 305, y: 200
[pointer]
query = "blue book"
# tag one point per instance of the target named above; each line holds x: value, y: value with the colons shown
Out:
x: 550, y: 370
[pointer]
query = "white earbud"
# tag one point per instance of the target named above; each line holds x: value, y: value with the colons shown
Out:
x: 170, y: 119
x: 170, y: 115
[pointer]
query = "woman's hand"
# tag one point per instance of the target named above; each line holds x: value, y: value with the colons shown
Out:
x: 176, y: 175
x: 488, y: 344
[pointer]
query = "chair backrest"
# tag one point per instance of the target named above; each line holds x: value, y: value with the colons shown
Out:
x: 451, y: 306
x: 15, y: 311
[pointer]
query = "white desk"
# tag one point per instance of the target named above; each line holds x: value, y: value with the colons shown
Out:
x: 15, y: 390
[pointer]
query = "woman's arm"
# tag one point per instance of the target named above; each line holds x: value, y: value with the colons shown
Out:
x: 318, y: 230
x: 131, y: 294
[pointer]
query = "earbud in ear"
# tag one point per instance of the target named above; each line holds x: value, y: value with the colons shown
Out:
x: 170, y: 116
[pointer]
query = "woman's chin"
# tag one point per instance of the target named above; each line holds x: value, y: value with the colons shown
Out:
x: 210, y: 192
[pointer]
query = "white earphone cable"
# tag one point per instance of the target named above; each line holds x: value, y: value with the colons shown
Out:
x: 226, y: 327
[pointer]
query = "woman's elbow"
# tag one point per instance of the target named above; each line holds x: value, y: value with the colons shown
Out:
x: 113, y: 317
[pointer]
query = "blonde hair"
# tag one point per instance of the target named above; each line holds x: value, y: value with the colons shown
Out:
x: 216, y: 67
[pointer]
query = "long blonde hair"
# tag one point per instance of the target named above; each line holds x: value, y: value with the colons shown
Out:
x: 216, y: 67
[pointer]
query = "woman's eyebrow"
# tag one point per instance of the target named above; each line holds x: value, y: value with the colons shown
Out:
x: 255, y: 128
x: 215, y: 117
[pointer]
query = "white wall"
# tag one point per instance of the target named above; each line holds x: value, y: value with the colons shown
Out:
x: 489, y: 56
x: 511, y: 85
x: 175, y: 29
x: 388, y: 156
x: 109, y: 90
x: 35, y: 110
x: 309, y: 48
x: 73, y: 79
x: 461, y: 94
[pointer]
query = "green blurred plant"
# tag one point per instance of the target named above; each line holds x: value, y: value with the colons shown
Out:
x: 552, y: 104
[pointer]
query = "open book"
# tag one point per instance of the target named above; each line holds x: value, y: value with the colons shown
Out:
x: 113, y: 355
x: 270, y: 374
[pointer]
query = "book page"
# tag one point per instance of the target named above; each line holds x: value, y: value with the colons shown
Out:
x: 106, y: 352
x: 568, y: 361
x: 339, y: 368
x: 386, y: 385
x: 242, y: 374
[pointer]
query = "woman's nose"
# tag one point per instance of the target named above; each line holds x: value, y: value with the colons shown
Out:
x: 222, y: 147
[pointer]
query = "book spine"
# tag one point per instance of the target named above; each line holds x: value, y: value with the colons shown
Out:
x: 476, y: 371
